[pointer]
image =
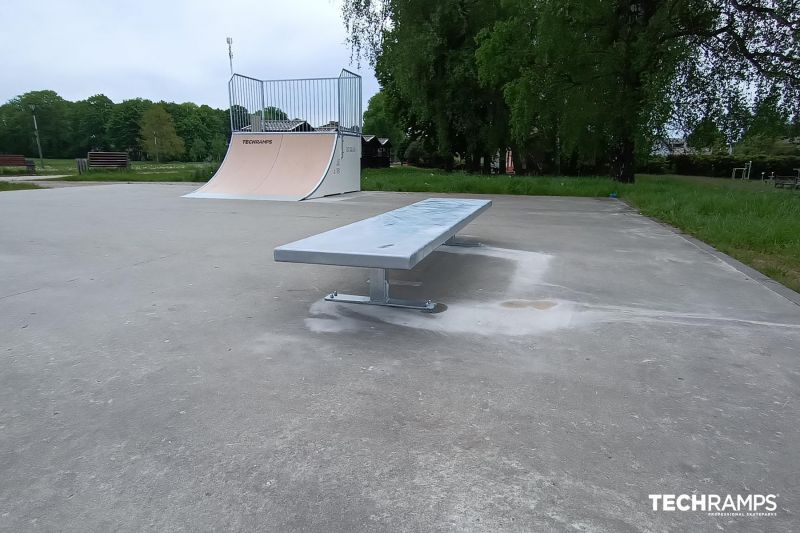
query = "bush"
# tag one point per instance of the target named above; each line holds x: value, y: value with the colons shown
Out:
x: 414, y: 152
x: 205, y: 172
x: 719, y: 166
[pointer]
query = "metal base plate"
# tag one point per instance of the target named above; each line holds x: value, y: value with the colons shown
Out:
x: 452, y: 241
x: 420, y: 305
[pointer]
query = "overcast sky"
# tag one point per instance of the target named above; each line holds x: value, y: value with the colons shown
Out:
x: 171, y: 50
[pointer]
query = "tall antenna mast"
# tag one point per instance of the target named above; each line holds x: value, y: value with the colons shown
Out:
x: 230, y: 53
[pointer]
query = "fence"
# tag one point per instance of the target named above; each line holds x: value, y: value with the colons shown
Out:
x: 315, y: 104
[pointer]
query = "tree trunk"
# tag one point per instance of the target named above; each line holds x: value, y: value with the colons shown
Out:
x: 472, y: 163
x: 558, y: 155
x: 626, y: 160
x: 635, y: 17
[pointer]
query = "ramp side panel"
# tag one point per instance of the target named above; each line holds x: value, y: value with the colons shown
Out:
x: 344, y: 173
x: 246, y: 166
x: 302, y: 164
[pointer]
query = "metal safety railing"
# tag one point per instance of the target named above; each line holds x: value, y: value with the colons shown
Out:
x: 305, y: 105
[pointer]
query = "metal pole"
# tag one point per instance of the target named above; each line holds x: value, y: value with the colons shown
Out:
x: 38, y: 142
x: 263, y: 107
x: 230, y: 102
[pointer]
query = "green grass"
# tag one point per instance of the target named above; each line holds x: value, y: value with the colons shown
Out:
x: 13, y: 171
x: 16, y: 186
x: 136, y: 176
x: 411, y: 179
x: 149, y: 171
x: 69, y: 167
x: 751, y: 221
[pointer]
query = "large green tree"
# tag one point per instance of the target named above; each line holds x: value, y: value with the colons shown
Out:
x: 70, y: 129
x: 89, y: 119
x: 593, y: 74
x: 124, y: 126
x: 426, y: 66
x: 706, y: 136
x: 596, y: 79
x: 158, y: 137
x: 382, y: 121
x: 52, y: 119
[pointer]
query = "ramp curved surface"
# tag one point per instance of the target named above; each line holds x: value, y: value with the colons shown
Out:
x: 282, y: 166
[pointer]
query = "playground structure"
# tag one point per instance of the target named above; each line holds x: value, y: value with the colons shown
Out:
x: 743, y: 172
x: 291, y: 139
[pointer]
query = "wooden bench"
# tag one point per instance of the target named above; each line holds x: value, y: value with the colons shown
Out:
x: 108, y: 160
x: 17, y: 161
x: 786, y: 182
x: 398, y: 239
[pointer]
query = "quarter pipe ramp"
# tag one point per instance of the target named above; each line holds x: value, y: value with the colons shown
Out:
x: 286, y: 166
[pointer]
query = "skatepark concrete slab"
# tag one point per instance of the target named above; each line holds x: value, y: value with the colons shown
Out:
x: 160, y: 372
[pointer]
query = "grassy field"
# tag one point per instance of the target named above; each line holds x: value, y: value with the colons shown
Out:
x: 69, y: 167
x: 140, y: 171
x: 190, y: 175
x: 16, y: 186
x: 147, y: 171
x: 751, y: 221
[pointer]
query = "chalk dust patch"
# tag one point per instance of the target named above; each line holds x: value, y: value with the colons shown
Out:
x: 482, y: 318
x: 541, y: 305
x: 516, y: 312
x: 511, y: 315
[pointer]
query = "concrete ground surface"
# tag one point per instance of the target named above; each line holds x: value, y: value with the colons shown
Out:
x: 161, y: 373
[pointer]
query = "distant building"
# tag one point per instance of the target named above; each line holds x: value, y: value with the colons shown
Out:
x: 287, y: 125
x: 375, y: 151
x: 284, y: 126
x: 333, y: 125
x: 672, y: 146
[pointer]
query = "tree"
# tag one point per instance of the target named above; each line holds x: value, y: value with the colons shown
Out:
x: 217, y: 148
x: 124, y: 126
x: 382, y: 121
x: 588, y: 77
x: 274, y: 113
x: 186, y: 119
x: 239, y: 115
x: 89, y: 119
x: 706, y: 135
x: 198, y: 151
x: 52, y: 118
x: 768, y: 131
x: 215, y: 122
x: 158, y: 136
x: 70, y: 129
x: 426, y: 66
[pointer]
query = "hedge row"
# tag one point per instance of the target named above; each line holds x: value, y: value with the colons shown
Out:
x: 720, y: 166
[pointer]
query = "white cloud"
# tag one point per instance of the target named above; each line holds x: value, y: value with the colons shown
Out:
x: 170, y: 50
